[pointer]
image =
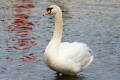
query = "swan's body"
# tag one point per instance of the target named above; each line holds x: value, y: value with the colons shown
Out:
x: 66, y: 58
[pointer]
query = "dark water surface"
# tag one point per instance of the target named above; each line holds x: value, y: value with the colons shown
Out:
x: 24, y: 34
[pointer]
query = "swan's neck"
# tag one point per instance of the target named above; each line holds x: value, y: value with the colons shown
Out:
x: 58, y: 27
x: 56, y: 39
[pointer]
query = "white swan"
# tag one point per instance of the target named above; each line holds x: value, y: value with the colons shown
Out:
x: 66, y: 58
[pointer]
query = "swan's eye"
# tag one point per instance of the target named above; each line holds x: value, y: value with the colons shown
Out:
x: 49, y: 9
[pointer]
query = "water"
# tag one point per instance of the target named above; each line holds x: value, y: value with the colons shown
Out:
x: 25, y: 33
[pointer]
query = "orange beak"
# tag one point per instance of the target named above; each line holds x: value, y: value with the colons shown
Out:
x: 47, y: 12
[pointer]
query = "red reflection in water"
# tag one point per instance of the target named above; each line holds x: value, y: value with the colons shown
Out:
x: 21, y: 42
x: 28, y: 58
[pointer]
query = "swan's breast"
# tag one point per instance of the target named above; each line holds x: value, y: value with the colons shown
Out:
x: 59, y: 67
x: 48, y: 62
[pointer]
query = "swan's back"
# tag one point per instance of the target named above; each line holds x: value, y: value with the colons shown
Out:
x: 76, y: 53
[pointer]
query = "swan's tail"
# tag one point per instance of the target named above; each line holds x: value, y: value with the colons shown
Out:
x: 91, y: 59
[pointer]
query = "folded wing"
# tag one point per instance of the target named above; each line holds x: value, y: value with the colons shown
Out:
x: 77, y: 53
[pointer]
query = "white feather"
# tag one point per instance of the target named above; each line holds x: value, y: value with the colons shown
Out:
x: 77, y: 53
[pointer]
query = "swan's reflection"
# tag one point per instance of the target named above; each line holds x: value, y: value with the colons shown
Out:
x: 81, y: 77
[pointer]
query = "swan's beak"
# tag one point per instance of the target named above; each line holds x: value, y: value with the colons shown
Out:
x: 47, y: 12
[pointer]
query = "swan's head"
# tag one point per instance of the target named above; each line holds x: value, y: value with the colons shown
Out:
x: 53, y: 9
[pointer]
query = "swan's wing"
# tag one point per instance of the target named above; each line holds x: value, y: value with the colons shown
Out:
x: 77, y: 53
x: 73, y: 50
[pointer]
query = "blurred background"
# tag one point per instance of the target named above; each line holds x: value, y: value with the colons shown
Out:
x: 24, y: 34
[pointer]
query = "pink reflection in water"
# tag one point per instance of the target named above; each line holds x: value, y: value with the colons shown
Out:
x: 20, y: 42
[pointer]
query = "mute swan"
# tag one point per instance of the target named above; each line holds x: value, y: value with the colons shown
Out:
x: 66, y: 58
